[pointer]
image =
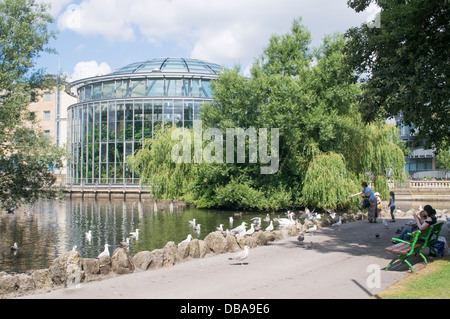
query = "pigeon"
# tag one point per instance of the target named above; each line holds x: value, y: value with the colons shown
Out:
x: 14, y: 247
x: 377, y: 235
x: 309, y: 246
x: 301, y: 238
x: 240, y: 256
x: 339, y: 223
x: 385, y: 224
x: 105, y: 252
x: 270, y: 227
x: 448, y: 218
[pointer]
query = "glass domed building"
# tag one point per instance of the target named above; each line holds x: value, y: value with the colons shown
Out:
x: 115, y: 111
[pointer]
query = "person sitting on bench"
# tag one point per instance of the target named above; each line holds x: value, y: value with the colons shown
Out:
x: 429, y: 218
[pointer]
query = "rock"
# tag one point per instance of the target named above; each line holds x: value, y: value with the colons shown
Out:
x: 260, y: 238
x: 183, y: 250
x: 90, y: 266
x: 121, y: 262
x: 170, y: 254
x: 41, y: 278
x: 232, y: 245
x: 194, y: 249
x: 104, y: 264
x: 269, y: 236
x: 216, y: 242
x: 142, y: 260
x: 246, y: 241
x: 25, y: 283
x: 8, y: 284
x: 204, y: 250
x: 157, y: 258
x: 58, y: 270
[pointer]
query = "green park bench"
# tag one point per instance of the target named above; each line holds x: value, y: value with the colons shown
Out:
x: 419, y: 240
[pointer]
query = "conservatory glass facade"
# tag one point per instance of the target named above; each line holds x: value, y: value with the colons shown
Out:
x: 115, y: 111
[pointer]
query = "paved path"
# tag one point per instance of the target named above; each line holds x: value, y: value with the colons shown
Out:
x: 336, y: 267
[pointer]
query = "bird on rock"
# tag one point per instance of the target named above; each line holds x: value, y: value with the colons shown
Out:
x: 105, y: 252
x: 270, y: 227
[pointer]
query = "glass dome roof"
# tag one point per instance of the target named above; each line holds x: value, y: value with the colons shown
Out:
x: 171, y: 65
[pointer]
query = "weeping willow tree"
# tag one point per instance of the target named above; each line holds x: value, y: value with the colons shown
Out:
x: 328, y: 183
x: 167, y: 179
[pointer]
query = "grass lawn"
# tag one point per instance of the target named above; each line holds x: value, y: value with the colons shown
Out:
x: 431, y: 282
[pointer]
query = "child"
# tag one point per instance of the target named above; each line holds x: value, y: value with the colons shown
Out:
x: 391, y: 205
x: 377, y: 195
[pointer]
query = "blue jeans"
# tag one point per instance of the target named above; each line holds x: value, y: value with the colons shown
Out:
x: 392, y: 212
x: 404, y: 235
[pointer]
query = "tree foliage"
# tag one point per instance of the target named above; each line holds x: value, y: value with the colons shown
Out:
x: 404, y: 64
x: 324, y: 147
x: 24, y: 152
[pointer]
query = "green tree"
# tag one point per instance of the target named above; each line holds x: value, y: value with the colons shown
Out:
x: 443, y: 157
x: 404, y: 64
x: 311, y: 97
x: 24, y: 152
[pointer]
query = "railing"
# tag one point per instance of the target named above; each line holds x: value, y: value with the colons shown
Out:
x: 429, y: 184
x: 421, y: 185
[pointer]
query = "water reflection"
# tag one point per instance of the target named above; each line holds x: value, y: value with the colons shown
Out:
x: 53, y: 227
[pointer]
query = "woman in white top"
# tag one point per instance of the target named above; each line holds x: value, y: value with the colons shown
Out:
x: 392, y: 205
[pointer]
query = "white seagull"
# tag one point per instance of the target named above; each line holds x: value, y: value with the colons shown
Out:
x: 188, y: 239
x: 270, y: 227
x: 88, y: 236
x: 240, y: 256
x: 197, y: 227
x: 312, y: 229
x: 339, y: 223
x: 239, y: 228
x: 15, y: 247
x: 267, y: 218
x: 385, y: 224
x: 105, y: 252
x: 251, y: 230
x: 220, y: 227
x: 135, y: 234
x: 192, y: 222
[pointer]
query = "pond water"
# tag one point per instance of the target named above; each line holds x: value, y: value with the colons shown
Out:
x: 53, y: 227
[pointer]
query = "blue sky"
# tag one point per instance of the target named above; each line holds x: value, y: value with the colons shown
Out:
x: 98, y: 36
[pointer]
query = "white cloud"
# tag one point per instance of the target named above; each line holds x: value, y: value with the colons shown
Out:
x: 55, y: 5
x: 222, y: 31
x: 89, y: 69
